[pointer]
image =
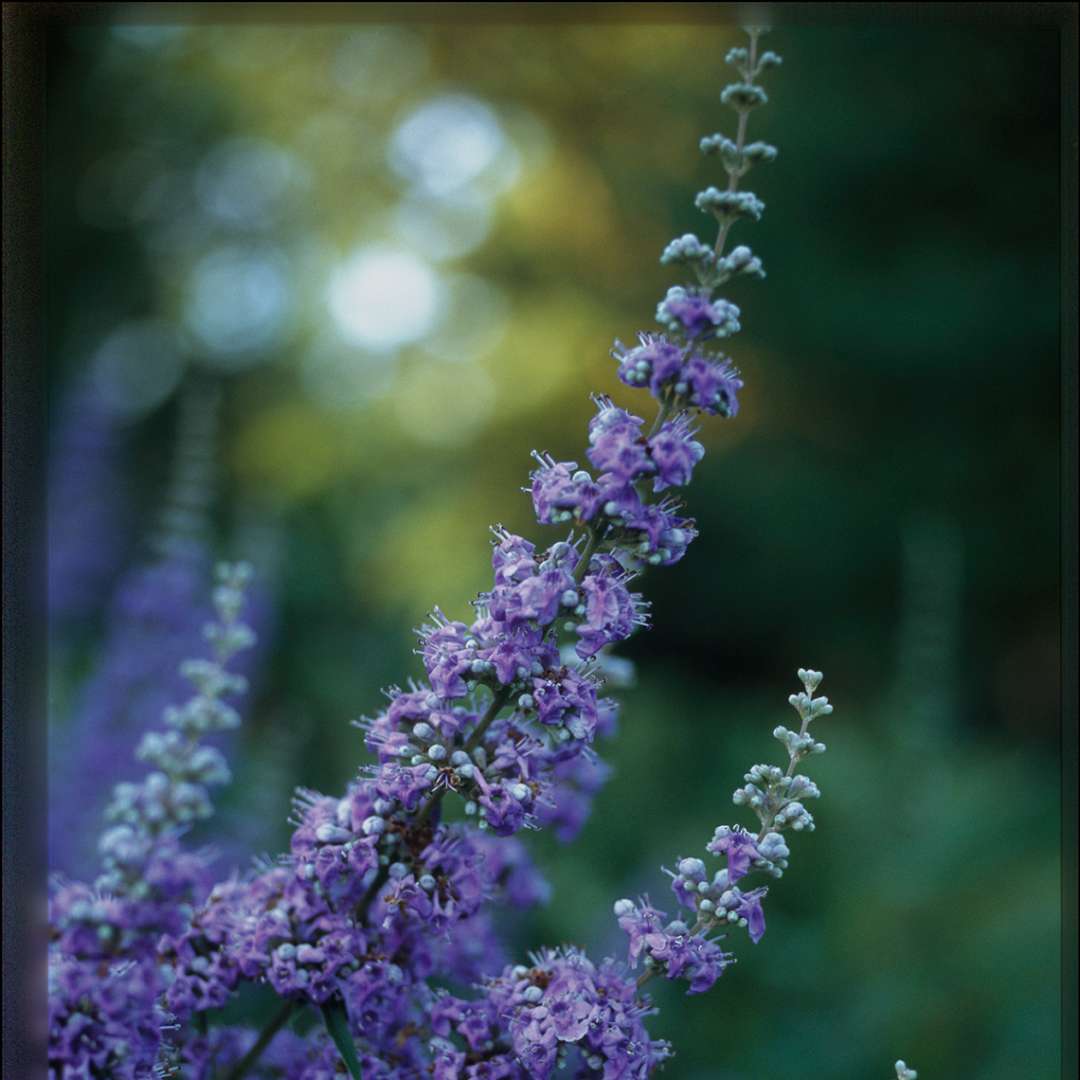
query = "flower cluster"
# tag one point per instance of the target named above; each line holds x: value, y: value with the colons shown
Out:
x: 105, y: 1004
x: 532, y: 1018
x: 682, y: 951
x: 155, y: 620
x: 154, y: 623
x: 382, y: 917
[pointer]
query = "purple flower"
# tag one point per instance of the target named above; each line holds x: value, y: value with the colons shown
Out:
x: 446, y: 656
x: 565, y: 698
x: 503, y: 810
x: 283, y: 932
x: 103, y: 1019
x: 379, y: 893
x: 613, y: 1038
x: 377, y: 999
x: 688, y: 881
x: 535, y: 1041
x: 616, y: 443
x: 670, y: 946
x: 663, y: 535
x: 612, y: 612
x: 405, y: 784
x: 330, y: 844
x: 655, y: 362
x: 535, y: 599
x: 155, y: 622
x: 694, y: 314
x: 709, y: 383
x: 512, y: 557
x: 562, y: 493
x: 750, y: 909
x: 204, y: 969
x: 693, y: 958
x: 675, y: 452
x: 739, y: 847
x: 570, y: 999
x: 712, y: 385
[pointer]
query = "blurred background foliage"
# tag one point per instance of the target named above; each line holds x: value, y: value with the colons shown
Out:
x: 400, y: 253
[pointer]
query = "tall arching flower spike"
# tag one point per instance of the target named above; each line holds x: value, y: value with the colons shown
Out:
x: 501, y: 719
x: 384, y: 902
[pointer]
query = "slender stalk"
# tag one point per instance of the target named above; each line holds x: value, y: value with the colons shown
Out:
x: 244, y: 1065
x: 591, y: 544
x: 337, y: 1023
x: 497, y: 704
x: 661, y: 415
x: 500, y: 699
x: 740, y: 142
x: 790, y: 772
x: 721, y: 238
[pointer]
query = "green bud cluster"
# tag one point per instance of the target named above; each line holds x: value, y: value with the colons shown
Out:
x: 729, y: 205
x: 776, y: 795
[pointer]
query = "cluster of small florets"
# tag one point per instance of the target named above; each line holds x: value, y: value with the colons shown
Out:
x: 682, y: 377
x: 777, y: 795
x: 300, y: 926
x: 505, y: 723
x: 154, y: 621
x: 104, y: 1018
x: 643, y: 532
x: 711, y: 269
x: 679, y: 368
x: 561, y: 1009
x: 670, y: 947
x: 680, y: 950
x: 175, y: 794
x: 380, y: 893
x: 106, y: 981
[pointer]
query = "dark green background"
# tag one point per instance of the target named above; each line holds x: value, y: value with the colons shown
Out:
x: 885, y: 507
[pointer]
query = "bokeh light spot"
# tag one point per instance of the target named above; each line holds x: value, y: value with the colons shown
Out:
x: 382, y: 298
x: 238, y: 304
x: 449, y: 143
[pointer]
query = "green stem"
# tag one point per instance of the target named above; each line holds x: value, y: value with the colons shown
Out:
x: 766, y: 826
x: 591, y: 544
x: 337, y: 1023
x: 243, y: 1066
x: 496, y: 707
x: 497, y: 703
x: 740, y: 141
x: 661, y: 415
